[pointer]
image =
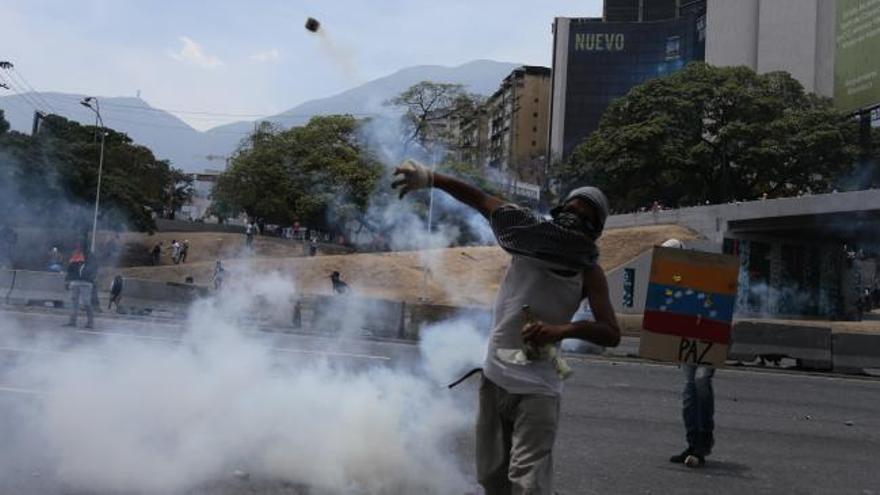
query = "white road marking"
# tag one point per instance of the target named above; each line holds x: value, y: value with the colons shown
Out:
x: 628, y: 361
x: 22, y: 350
x: 17, y: 390
x: 272, y: 349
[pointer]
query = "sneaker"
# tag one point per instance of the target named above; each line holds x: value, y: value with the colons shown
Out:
x: 694, y: 461
x: 680, y: 458
x: 89, y: 325
x: 69, y: 324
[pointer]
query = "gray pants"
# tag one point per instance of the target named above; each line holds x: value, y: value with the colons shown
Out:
x: 81, y: 295
x: 515, y: 436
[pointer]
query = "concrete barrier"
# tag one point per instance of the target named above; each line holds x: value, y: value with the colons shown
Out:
x: 853, y: 352
x: 7, y: 279
x: 638, y: 270
x: 165, y: 225
x: 420, y: 316
x: 38, y: 288
x: 149, y: 297
x: 353, y: 315
x: 810, y: 346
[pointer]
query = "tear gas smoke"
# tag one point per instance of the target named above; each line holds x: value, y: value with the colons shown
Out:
x: 148, y: 417
x: 341, y: 55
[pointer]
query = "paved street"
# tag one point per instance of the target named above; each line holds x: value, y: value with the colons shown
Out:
x: 777, y: 431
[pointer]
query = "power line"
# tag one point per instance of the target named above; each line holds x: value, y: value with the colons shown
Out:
x: 27, y: 85
x: 219, y: 118
x: 222, y: 114
x: 21, y: 94
x: 169, y: 126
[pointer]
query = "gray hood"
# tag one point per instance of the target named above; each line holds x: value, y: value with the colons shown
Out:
x: 592, y: 195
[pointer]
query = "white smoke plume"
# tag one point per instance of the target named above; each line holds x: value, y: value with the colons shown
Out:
x: 128, y: 416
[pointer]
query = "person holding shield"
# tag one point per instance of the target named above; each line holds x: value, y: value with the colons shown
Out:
x: 698, y: 406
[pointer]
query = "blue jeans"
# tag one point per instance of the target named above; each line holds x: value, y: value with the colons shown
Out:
x: 698, y: 401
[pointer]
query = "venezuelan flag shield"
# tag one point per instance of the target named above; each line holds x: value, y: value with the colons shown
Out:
x: 691, y: 297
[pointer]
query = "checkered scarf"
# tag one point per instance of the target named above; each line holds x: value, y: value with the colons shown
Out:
x: 519, y: 231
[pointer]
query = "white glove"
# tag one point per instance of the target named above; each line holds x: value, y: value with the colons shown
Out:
x: 414, y: 176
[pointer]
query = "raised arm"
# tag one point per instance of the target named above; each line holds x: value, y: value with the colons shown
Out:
x: 414, y: 175
x: 605, y: 331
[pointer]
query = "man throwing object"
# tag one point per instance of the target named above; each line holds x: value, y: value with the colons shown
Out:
x: 554, y: 267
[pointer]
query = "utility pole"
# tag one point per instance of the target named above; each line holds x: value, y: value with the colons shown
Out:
x: 87, y: 102
x: 38, y: 116
x: 866, y: 147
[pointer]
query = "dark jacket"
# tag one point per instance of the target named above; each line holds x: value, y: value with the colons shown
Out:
x: 81, y: 271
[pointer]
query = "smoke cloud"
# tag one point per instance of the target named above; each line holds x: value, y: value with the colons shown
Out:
x: 122, y: 415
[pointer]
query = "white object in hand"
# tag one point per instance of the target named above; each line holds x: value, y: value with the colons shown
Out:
x: 414, y: 176
x: 548, y: 352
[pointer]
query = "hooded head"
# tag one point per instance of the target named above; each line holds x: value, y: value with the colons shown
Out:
x: 585, y: 209
x: 77, y: 256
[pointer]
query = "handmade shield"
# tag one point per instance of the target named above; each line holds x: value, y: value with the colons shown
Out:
x: 689, y: 307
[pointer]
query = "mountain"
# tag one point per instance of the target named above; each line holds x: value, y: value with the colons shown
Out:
x: 190, y: 149
x: 169, y: 137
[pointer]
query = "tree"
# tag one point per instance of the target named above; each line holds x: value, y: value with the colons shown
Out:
x: 714, y: 134
x: 50, y: 179
x: 4, y: 124
x: 256, y: 182
x: 429, y: 108
x: 318, y: 173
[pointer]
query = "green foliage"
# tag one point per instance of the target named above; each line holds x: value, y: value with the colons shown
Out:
x: 714, y: 134
x: 51, y: 178
x: 314, y: 174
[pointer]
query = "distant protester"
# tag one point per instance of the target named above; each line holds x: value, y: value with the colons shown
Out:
x: 115, y: 292
x: 156, y: 254
x: 81, y: 272
x: 339, y: 286
x: 175, y: 251
x: 56, y: 260
x: 249, y: 231
x: 184, y: 251
x: 219, y: 274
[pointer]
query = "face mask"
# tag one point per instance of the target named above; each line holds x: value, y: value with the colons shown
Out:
x: 570, y: 221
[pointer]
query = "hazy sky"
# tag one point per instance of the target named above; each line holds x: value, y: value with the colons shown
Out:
x: 255, y: 57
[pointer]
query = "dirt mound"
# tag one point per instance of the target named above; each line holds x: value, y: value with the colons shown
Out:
x: 467, y: 276
x: 203, y: 247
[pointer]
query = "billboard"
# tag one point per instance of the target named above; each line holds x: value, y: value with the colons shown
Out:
x: 857, y: 63
x: 604, y: 60
x: 689, y: 308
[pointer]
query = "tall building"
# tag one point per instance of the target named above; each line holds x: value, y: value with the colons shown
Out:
x: 641, y: 10
x: 473, y: 137
x: 796, y: 36
x: 596, y: 60
x: 518, y: 116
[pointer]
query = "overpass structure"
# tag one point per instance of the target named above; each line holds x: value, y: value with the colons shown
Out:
x: 804, y: 257
x: 848, y: 217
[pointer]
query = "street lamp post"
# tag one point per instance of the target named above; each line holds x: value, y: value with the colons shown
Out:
x: 87, y: 102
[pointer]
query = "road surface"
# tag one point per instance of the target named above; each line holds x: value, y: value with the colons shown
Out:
x: 777, y: 431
